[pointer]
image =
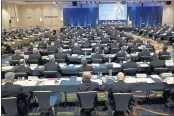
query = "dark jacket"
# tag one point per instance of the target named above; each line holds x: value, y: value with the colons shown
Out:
x: 156, y: 64
x: 85, y: 68
x: 22, y: 68
x: 129, y: 64
x: 35, y: 57
x: 88, y: 86
x: 97, y: 56
x: 60, y: 55
x: 53, y: 67
x: 163, y: 53
x: 17, y: 57
x: 52, y: 48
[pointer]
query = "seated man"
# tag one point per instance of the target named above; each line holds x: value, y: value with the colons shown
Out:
x: 150, y: 46
x: 121, y: 53
x: 97, y: 54
x: 156, y: 63
x: 17, y: 55
x: 128, y: 64
x: 87, y: 84
x: 23, y: 68
x: 132, y: 45
x: 51, y: 66
x: 85, y: 66
x: 12, y: 90
x: 143, y: 53
x: 52, y: 48
x: 30, y: 47
x: 164, y: 52
x: 35, y: 56
x: 118, y: 87
x: 76, y: 49
x: 60, y: 54
x: 42, y: 45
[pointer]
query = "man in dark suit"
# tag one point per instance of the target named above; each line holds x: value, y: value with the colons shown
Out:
x: 23, y: 68
x: 52, y: 48
x: 85, y: 66
x: 128, y: 64
x: 156, y: 63
x: 150, y: 46
x: 118, y: 87
x: 143, y: 53
x: 17, y: 55
x: 35, y: 56
x: 97, y: 55
x: 164, y: 52
x: 12, y: 90
x: 76, y: 49
x: 60, y: 54
x: 51, y: 66
x: 42, y: 45
x: 132, y: 45
x: 121, y: 53
x: 30, y: 49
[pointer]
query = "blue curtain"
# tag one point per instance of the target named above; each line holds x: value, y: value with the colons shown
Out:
x: 148, y: 15
x: 80, y: 16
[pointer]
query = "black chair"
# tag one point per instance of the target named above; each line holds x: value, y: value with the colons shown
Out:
x: 95, y: 60
x: 87, y: 100
x: 20, y: 74
x: 146, y: 58
x: 60, y: 60
x: 86, y: 46
x: 14, y: 62
x: 10, y: 106
x: 165, y: 57
x: 160, y: 70
x: 44, y: 101
x: 51, y: 52
x: 130, y: 71
x: 50, y: 74
x: 133, y: 50
x: 114, y: 50
x: 32, y: 61
x: 122, y: 101
x: 121, y: 59
x: 77, y: 52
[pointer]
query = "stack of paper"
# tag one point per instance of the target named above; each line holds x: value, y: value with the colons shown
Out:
x: 141, y: 75
x: 115, y: 65
x: 32, y: 78
x: 6, y: 68
x: 74, y: 55
x: 169, y: 63
x: 130, y: 80
x: 139, y: 80
x: 31, y: 83
x: 97, y: 81
x: 95, y: 65
x: 79, y: 79
x: 169, y: 80
x: 144, y: 65
x: 149, y: 80
x: 33, y: 66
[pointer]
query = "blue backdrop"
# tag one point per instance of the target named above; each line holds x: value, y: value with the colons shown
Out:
x: 148, y: 15
x: 80, y: 16
x: 151, y: 15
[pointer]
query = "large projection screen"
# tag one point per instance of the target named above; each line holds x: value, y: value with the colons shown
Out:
x: 112, y: 11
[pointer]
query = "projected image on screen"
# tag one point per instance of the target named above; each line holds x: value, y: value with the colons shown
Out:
x: 112, y: 11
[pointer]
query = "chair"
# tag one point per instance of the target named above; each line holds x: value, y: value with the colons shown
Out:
x: 165, y: 57
x: 95, y: 60
x: 51, y: 52
x: 50, y: 74
x: 121, y: 59
x: 10, y: 106
x: 60, y: 60
x: 14, y: 62
x: 85, y: 102
x: 114, y: 50
x: 32, y: 61
x: 122, y: 101
x: 77, y: 52
x: 160, y: 70
x: 44, y: 101
x: 145, y: 58
x: 130, y: 71
x: 133, y: 50
x: 21, y: 74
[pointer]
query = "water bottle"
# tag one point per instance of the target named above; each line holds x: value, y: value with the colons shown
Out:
x: 109, y: 59
x: 110, y: 73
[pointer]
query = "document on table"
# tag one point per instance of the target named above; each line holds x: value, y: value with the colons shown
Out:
x: 94, y: 76
x: 22, y: 82
x: 31, y: 83
x: 169, y: 63
x: 141, y: 75
x: 139, y: 80
x: 75, y: 55
x: 33, y: 66
x: 115, y: 65
x: 97, y: 81
x: 77, y: 66
x: 79, y: 79
x: 62, y: 65
x: 7, y: 67
x: 71, y: 65
x: 95, y: 65
x: 49, y: 82
x: 144, y: 65
x: 169, y: 80
x: 32, y: 78
x: 149, y: 80
x: 130, y: 80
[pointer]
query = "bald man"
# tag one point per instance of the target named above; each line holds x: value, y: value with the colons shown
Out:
x: 118, y: 87
x: 87, y: 84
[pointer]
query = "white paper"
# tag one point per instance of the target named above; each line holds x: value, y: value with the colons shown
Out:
x: 115, y: 65
x: 71, y: 65
x: 32, y: 78
x: 94, y: 76
x: 31, y: 83
x: 93, y: 44
x: 49, y: 82
x: 79, y: 79
x: 169, y: 63
x: 155, y: 76
x: 141, y: 75
x: 130, y: 80
x: 33, y: 66
x: 144, y: 65
x: 74, y: 55
x: 97, y: 81
x: 140, y: 80
x: 22, y: 82
x: 62, y: 65
x: 169, y: 80
x: 65, y: 79
x: 77, y: 66
x: 149, y: 80
x: 151, y: 54
x: 7, y: 67
x: 166, y: 74
x: 95, y: 65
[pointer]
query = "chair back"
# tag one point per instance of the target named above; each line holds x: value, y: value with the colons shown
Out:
x: 43, y: 98
x: 130, y: 71
x: 60, y: 60
x: 133, y: 50
x: 96, y: 60
x: 122, y: 101
x: 32, y: 61
x: 50, y: 74
x: 160, y: 70
x: 165, y: 57
x: 114, y: 50
x: 77, y: 52
x: 10, y: 105
x: 14, y: 62
x: 146, y: 58
x: 121, y: 59
x: 21, y: 74
x: 86, y: 46
x: 87, y: 99
x: 51, y: 52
